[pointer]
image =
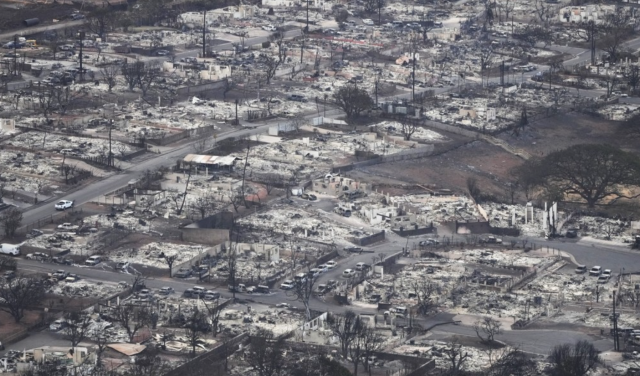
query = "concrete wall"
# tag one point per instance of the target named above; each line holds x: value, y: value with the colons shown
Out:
x: 409, y: 154
x: 206, y: 236
x: 380, y: 236
x: 413, y: 231
x: 195, y: 89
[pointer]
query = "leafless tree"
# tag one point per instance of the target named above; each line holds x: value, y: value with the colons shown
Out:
x: 611, y: 80
x: 184, y: 194
x: 200, y: 146
x: 543, y: 10
x: 456, y: 357
x: 19, y: 294
x: 170, y: 260
x: 272, y: 63
x: 409, y: 127
x: 131, y: 73
x: 615, y: 28
x: 266, y: 353
x: 426, y: 292
x: 574, y: 360
x: 229, y: 83
x: 101, y: 339
x: 232, y: 266
x: 297, y: 122
x: 371, y: 342
x: 76, y: 327
x: 512, y: 361
x: 11, y: 220
x: 213, y: 310
x: 204, y: 204
x: 345, y: 328
x: 507, y: 7
x: 632, y: 74
x: 102, y: 20
x: 110, y: 74
x: 302, y: 291
x: 487, y: 328
x: 132, y: 318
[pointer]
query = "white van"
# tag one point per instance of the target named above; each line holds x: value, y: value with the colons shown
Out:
x: 10, y: 249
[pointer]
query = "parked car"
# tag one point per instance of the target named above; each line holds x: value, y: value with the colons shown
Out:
x: 269, y: 28
x: 64, y: 205
x: 62, y: 260
x: 581, y: 269
x: 183, y: 273
x: 604, y: 278
x: 67, y: 227
x: 211, y: 295
x: 595, y: 271
x: 37, y: 256
x: 361, y: 266
x: 93, y: 261
x: 331, y: 264
x: 287, y: 285
x: 57, y: 325
x: 60, y: 274
x: 348, y: 273
x: 607, y: 272
x: 165, y: 290
x: 122, y: 265
x: 72, y: 278
x: 199, y: 290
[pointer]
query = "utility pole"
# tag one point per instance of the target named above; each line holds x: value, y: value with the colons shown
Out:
x: 81, y: 37
x: 616, y: 339
x: 413, y: 75
x: 204, y: 34
x: 306, y: 30
x: 110, y: 158
x: 237, y: 123
x: 324, y: 106
x: 15, y: 55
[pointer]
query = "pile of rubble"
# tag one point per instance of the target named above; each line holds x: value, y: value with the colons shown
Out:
x: 85, y: 289
x: 153, y: 254
x: 82, y: 147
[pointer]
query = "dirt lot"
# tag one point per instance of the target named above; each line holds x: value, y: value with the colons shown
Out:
x: 564, y: 130
x: 9, y: 329
x: 11, y: 18
x: 489, y: 164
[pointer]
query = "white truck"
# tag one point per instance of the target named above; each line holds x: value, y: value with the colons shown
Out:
x: 10, y: 249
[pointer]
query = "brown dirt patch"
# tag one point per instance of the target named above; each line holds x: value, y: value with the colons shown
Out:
x: 9, y: 328
x: 561, y: 131
x: 487, y: 163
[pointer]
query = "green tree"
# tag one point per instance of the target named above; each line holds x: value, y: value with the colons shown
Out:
x: 353, y: 100
x: 593, y: 172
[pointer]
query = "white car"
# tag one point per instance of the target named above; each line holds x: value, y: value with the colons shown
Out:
x: 331, y: 264
x: 68, y: 227
x: 348, y: 273
x: 269, y: 28
x: 287, y: 285
x: 64, y: 205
